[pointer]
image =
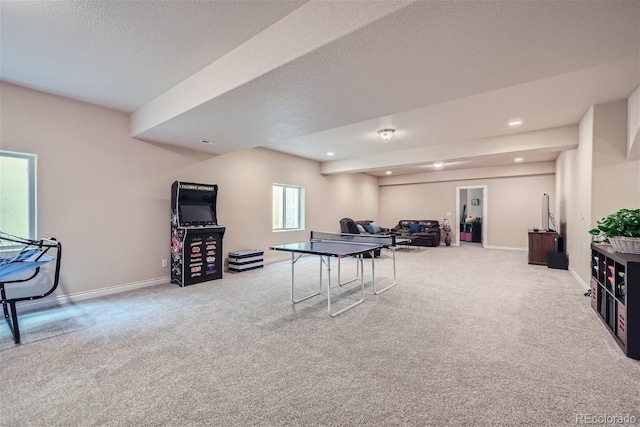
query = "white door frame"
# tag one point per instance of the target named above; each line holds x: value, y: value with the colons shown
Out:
x: 484, y: 212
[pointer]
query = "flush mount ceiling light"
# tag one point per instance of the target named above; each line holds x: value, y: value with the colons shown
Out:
x: 386, y: 134
x: 515, y: 123
x: 331, y: 153
x: 518, y: 159
x: 388, y: 172
x: 437, y: 164
x: 208, y: 142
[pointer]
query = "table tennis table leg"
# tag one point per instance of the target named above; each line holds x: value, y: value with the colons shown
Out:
x: 329, y: 287
x: 348, y: 281
x: 293, y: 280
x: 376, y: 292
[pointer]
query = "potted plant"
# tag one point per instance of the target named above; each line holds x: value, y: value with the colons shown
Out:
x: 621, y: 229
x: 446, y: 227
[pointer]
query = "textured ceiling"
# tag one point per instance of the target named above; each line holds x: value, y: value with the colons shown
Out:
x: 310, y: 77
x: 122, y: 54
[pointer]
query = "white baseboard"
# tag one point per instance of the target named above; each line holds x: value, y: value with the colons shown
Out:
x: 22, y: 307
x: 275, y: 259
x: 503, y: 248
x: 506, y: 248
x: 579, y: 279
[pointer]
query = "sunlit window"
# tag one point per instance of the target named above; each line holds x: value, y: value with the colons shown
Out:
x: 18, y: 194
x: 287, y: 207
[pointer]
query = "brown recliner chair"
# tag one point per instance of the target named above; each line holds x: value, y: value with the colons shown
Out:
x: 347, y: 225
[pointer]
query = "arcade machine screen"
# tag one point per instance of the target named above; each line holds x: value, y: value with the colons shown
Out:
x: 196, y: 214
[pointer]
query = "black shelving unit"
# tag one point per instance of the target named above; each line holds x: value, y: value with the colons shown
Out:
x: 615, y: 295
x: 471, y: 231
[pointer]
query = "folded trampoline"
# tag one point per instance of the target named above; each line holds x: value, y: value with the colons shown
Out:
x: 20, y: 262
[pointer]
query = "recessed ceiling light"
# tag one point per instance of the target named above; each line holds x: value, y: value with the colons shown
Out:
x: 208, y: 142
x: 331, y: 153
x: 437, y: 164
x: 518, y: 159
x: 515, y: 123
x: 388, y: 172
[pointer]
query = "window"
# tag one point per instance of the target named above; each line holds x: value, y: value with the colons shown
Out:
x: 18, y: 194
x: 288, y: 206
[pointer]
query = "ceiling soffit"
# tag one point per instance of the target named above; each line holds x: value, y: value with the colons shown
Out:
x: 548, y: 140
x: 355, y: 63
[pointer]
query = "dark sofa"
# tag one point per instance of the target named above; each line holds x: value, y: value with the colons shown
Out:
x: 347, y: 225
x: 421, y: 232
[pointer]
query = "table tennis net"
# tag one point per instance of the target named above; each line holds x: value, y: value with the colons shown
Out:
x: 382, y: 240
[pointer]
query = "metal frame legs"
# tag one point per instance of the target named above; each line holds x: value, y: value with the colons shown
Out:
x: 348, y: 281
x: 373, y: 272
x: 10, y: 315
x: 327, y: 263
x: 293, y: 262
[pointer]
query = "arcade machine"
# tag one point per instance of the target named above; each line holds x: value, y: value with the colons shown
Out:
x: 196, y: 237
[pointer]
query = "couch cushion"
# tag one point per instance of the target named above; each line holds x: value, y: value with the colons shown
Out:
x: 369, y: 228
x: 414, y: 228
x: 360, y: 228
x: 374, y: 227
x: 429, y: 225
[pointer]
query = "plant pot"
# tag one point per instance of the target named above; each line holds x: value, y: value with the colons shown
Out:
x: 447, y: 240
x: 625, y: 245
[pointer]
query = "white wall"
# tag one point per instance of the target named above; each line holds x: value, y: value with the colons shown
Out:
x: 244, y: 196
x: 464, y: 201
x: 633, y: 128
x: 474, y: 210
x: 514, y: 205
x: 615, y: 178
x: 579, y: 201
x: 595, y: 179
x: 106, y: 196
x: 633, y: 125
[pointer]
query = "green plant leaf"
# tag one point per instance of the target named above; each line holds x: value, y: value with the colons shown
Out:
x: 625, y: 222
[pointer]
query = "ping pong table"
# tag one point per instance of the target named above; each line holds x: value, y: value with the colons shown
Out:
x: 339, y: 245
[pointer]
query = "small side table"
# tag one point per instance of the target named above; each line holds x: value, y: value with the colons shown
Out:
x: 403, y: 242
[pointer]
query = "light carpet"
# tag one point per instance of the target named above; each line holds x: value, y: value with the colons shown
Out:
x: 469, y: 336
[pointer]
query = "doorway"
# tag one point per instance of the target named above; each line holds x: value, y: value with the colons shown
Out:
x: 471, y: 215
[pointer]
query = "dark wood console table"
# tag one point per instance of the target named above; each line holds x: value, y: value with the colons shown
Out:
x: 541, y: 242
